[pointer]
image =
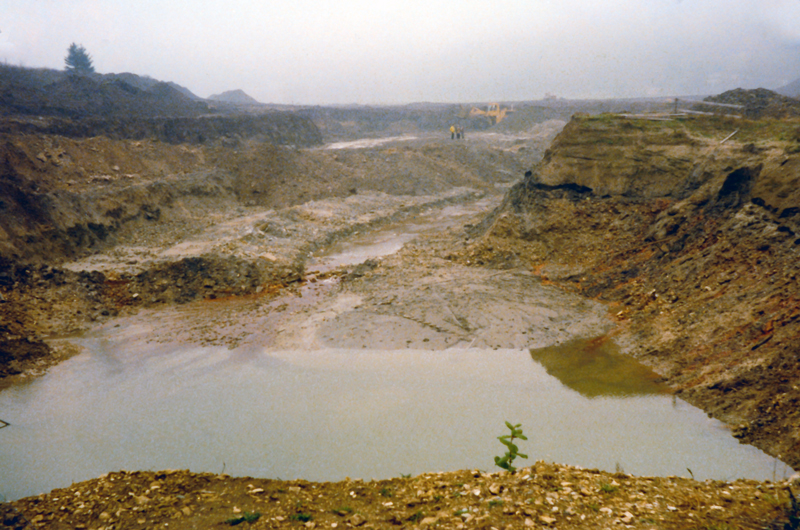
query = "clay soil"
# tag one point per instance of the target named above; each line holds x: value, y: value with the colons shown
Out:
x: 688, y: 241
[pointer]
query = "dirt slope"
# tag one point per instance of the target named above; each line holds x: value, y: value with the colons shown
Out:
x: 65, y: 200
x: 42, y: 92
x: 694, y: 244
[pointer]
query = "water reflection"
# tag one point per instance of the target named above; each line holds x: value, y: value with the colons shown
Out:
x: 595, y: 367
x: 329, y: 414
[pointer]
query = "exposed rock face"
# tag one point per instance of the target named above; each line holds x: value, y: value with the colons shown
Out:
x: 694, y: 243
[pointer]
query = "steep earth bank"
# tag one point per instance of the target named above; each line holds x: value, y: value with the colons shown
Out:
x: 691, y: 236
x: 278, y: 128
x: 94, y: 227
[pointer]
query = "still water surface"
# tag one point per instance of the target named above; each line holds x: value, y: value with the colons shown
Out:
x: 126, y: 403
x: 326, y: 415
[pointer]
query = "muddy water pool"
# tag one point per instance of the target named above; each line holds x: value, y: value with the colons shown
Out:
x: 327, y: 415
x: 143, y: 395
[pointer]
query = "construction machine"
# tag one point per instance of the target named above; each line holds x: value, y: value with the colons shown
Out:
x: 493, y: 111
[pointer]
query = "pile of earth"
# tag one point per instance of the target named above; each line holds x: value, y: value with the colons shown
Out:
x: 541, y: 496
x: 692, y: 239
x: 235, y: 96
x: 791, y: 89
x: 25, y: 91
x: 756, y: 103
x: 126, y: 106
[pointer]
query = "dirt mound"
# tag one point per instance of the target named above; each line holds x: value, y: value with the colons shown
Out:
x: 791, y: 90
x: 127, y: 106
x: 543, y: 495
x: 693, y: 242
x: 75, y: 96
x: 758, y: 103
x: 235, y: 96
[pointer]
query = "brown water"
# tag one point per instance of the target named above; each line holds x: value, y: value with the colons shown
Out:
x: 142, y: 396
x: 326, y: 415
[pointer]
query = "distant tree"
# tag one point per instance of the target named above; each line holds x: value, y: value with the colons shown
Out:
x: 78, y: 61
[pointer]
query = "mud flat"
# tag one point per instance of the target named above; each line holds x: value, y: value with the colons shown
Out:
x: 142, y: 223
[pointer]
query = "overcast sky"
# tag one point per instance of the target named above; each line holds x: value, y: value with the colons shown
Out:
x: 375, y: 51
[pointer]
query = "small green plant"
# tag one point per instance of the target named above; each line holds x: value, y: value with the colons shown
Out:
x: 608, y: 488
x: 416, y: 516
x: 343, y: 510
x: 386, y: 492
x: 246, y: 517
x: 496, y: 502
x: 302, y: 517
x: 507, y: 461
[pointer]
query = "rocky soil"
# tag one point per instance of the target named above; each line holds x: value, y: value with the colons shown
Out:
x: 541, y: 496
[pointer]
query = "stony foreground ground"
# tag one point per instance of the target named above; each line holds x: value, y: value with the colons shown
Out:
x: 541, y: 496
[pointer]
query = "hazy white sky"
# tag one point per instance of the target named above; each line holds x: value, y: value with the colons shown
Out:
x: 376, y: 51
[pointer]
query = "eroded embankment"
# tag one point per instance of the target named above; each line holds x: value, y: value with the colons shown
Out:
x: 150, y: 214
x: 694, y: 243
x: 279, y: 128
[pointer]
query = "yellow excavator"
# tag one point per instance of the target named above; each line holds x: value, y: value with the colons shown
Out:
x: 493, y: 111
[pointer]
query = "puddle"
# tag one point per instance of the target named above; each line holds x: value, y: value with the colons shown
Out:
x: 370, y: 142
x: 326, y: 415
x: 387, y: 240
